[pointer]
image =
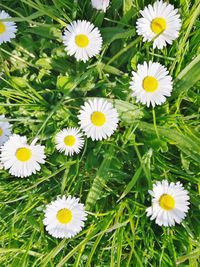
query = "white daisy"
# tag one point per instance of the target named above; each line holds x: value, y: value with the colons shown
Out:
x: 64, y: 218
x: 5, y: 130
x: 8, y: 29
x: 100, y: 4
x: 98, y: 119
x: 82, y: 39
x: 69, y: 141
x: 160, y: 21
x: 151, y: 84
x: 21, y: 159
x: 169, y: 203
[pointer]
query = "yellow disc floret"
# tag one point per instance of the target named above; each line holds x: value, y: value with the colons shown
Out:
x: 82, y: 40
x: 69, y: 140
x: 64, y: 216
x: 98, y: 118
x: 1, y: 131
x: 166, y: 202
x: 23, y: 154
x: 2, y: 27
x: 158, y: 25
x: 150, y: 84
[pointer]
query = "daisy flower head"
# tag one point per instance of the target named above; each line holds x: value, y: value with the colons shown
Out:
x: 169, y: 203
x: 69, y: 141
x: 8, y: 29
x: 151, y: 84
x: 5, y: 130
x: 82, y: 39
x: 100, y: 4
x: 160, y: 21
x: 64, y: 217
x: 20, y: 158
x: 98, y: 119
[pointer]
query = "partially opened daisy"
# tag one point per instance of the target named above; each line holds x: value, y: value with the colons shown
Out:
x: 82, y: 39
x: 69, y: 141
x: 169, y: 203
x: 8, y: 29
x: 151, y: 84
x: 98, y: 119
x: 20, y: 158
x: 5, y: 130
x: 64, y: 217
x: 100, y: 4
x: 160, y: 21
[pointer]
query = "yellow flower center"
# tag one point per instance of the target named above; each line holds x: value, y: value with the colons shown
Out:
x: 150, y: 84
x: 167, y: 202
x: 98, y: 118
x: 2, y: 27
x: 1, y: 131
x: 64, y: 216
x: 158, y: 25
x: 69, y: 140
x: 82, y: 40
x: 23, y: 154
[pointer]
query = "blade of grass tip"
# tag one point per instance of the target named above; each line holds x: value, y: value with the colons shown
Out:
x: 131, y: 183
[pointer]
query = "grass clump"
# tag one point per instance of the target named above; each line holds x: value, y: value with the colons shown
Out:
x: 41, y: 91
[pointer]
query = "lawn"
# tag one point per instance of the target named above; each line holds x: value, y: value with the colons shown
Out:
x: 41, y: 92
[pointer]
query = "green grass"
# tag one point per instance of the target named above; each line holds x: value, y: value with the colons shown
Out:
x: 41, y: 92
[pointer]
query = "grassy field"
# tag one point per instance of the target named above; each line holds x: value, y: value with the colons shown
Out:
x: 41, y: 91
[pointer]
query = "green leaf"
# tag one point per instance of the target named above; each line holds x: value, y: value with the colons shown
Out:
x: 44, y: 63
x: 111, y: 34
x: 63, y: 82
x: 187, y: 144
x: 131, y: 183
x: 187, y: 78
x: 100, y: 180
x: 128, y: 112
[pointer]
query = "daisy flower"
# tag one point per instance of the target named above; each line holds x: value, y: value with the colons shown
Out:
x: 5, y: 130
x: 100, y: 4
x: 21, y: 159
x: 82, y: 39
x: 98, y: 119
x: 8, y: 29
x: 160, y: 21
x: 69, y: 141
x: 64, y: 218
x: 151, y: 84
x: 169, y: 204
